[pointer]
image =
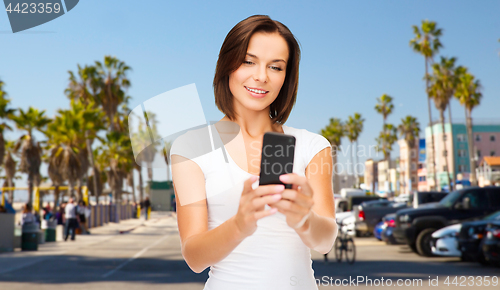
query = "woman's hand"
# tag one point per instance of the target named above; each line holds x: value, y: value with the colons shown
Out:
x: 252, y: 204
x: 296, y: 203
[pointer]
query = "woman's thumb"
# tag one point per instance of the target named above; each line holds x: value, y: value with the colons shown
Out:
x: 247, y: 187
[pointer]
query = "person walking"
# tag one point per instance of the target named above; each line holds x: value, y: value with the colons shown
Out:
x: 254, y: 236
x: 147, y: 205
x: 71, y: 215
x: 83, y: 215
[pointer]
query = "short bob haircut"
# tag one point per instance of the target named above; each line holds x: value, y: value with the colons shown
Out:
x: 233, y: 53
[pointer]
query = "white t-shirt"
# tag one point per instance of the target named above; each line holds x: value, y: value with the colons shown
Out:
x: 274, y: 257
x: 70, y: 211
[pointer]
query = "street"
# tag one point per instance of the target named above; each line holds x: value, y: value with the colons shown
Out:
x: 147, y: 256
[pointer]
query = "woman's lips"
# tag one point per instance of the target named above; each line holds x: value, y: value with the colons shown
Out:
x: 256, y: 95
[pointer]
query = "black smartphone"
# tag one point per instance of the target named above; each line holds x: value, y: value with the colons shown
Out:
x: 278, y: 150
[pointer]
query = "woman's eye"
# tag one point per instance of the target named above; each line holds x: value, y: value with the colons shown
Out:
x: 248, y: 62
x: 276, y: 68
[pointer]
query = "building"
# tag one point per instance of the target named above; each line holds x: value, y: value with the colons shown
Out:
x: 422, y: 167
x: 161, y: 195
x: 371, y: 175
x: 488, y: 172
x: 408, y: 167
x: 384, y: 176
x: 486, y: 143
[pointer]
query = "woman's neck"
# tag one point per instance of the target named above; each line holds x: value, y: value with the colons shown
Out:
x: 254, y: 127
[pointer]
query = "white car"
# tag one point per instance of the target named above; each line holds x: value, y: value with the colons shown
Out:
x: 444, y: 242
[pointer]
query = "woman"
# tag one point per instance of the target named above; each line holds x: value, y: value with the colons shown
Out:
x: 82, y: 214
x: 28, y: 216
x: 251, y: 236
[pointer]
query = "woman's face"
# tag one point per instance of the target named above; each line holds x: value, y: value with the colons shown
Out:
x: 263, y: 71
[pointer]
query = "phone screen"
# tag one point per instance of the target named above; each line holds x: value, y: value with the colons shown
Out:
x: 278, y: 151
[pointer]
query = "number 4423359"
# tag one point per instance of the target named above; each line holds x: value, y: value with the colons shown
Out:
x: 34, y: 8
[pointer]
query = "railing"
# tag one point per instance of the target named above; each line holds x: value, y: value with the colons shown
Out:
x: 103, y: 214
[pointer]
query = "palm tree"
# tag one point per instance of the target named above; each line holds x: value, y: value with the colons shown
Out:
x: 5, y: 113
x: 443, y: 83
x: 334, y: 132
x: 30, y: 150
x: 66, y: 144
x: 354, y: 127
x: 10, y: 168
x: 84, y: 95
x: 113, y: 74
x: 426, y: 43
x: 386, y: 140
x: 116, y: 153
x: 384, y: 107
x: 409, y: 130
x: 469, y: 94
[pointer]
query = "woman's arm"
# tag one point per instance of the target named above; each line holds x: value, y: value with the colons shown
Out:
x: 200, y: 247
x: 320, y: 229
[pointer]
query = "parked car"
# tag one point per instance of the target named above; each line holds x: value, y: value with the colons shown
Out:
x: 415, y: 226
x: 369, y: 213
x: 389, y: 224
x: 444, y: 241
x: 425, y: 197
x: 491, y: 244
x: 349, y: 203
x: 471, y: 236
x: 377, y: 231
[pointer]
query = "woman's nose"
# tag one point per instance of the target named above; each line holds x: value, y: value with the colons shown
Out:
x: 260, y: 74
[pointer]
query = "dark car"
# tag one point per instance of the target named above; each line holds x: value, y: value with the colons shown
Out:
x: 414, y: 227
x: 491, y: 243
x: 387, y: 233
x: 369, y: 213
x: 471, y: 235
x: 423, y: 197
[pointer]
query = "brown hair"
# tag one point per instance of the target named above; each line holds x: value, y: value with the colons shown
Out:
x: 27, y: 208
x: 233, y: 53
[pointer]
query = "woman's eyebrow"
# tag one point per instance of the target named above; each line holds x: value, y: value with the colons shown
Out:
x: 275, y: 60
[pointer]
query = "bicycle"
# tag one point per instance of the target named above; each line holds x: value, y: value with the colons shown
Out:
x: 344, y: 243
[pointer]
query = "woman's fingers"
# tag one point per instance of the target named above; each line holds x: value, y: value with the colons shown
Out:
x: 263, y: 213
x: 268, y: 199
x: 247, y: 185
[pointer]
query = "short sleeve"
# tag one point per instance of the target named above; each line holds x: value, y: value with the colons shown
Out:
x: 188, y: 146
x: 316, y: 144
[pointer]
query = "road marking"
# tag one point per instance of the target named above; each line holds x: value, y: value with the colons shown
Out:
x: 137, y: 255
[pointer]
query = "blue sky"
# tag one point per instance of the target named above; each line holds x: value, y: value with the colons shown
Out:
x: 352, y: 53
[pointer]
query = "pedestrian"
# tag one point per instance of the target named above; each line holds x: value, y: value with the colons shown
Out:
x: 147, y: 205
x: 82, y: 214
x: 27, y: 215
x: 251, y: 236
x: 71, y: 215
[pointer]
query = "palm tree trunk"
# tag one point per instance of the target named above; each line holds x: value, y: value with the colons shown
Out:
x: 441, y: 115
x: 91, y: 158
x: 470, y: 143
x: 433, y: 162
x: 355, y: 166
x: 408, y: 168
x: 141, y: 182
x: 30, y: 189
x: 133, y: 185
x: 336, y: 183
x: 11, y: 195
x: 351, y: 158
x: 384, y: 140
x: 454, y: 172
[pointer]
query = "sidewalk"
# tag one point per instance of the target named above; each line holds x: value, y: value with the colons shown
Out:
x: 20, y: 259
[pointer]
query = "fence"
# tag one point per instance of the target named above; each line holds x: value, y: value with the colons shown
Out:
x: 113, y: 213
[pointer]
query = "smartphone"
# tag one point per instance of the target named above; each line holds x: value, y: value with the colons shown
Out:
x: 278, y: 150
